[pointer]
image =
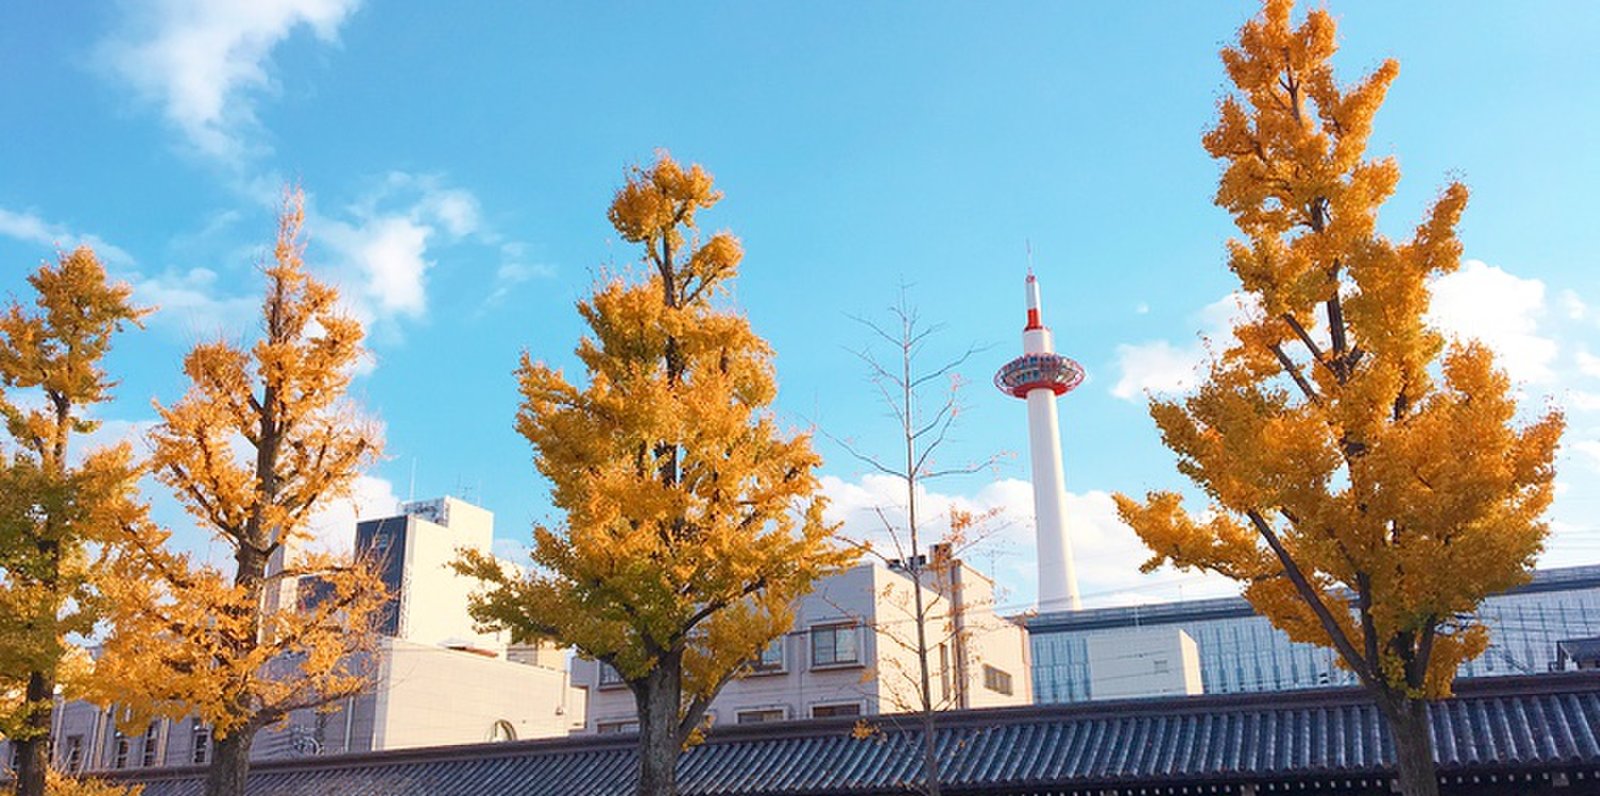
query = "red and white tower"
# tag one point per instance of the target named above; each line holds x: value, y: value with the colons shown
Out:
x: 1039, y: 376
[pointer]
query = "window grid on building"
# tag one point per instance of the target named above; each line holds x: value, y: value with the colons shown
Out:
x: 1245, y: 653
x: 836, y: 644
x: 996, y: 680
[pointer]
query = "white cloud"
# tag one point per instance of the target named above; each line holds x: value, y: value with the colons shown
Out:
x: 1587, y: 449
x: 1583, y: 400
x: 1588, y: 363
x: 206, y: 63
x: 384, y: 244
x: 333, y: 527
x: 1576, y: 309
x: 1158, y: 366
x: 385, y: 257
x: 30, y: 228
x: 1106, y: 552
x: 1501, y: 310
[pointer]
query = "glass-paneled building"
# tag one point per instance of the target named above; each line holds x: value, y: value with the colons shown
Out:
x: 1241, y: 651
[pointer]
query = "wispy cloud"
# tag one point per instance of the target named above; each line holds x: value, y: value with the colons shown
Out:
x: 208, y: 63
x: 30, y: 228
x: 195, y: 303
x: 384, y: 246
x: 1158, y: 366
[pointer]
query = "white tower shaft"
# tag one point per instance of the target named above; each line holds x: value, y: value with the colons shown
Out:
x: 1058, y: 580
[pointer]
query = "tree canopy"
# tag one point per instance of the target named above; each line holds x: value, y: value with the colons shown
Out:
x: 262, y: 440
x: 1369, y: 481
x: 61, y: 508
x: 690, y: 523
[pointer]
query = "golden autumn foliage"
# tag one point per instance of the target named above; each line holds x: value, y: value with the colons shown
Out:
x: 261, y: 441
x: 1369, y: 483
x: 61, y: 508
x: 691, y: 523
x: 58, y: 784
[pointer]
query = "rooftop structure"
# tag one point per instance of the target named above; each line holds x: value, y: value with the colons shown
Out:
x: 1524, y: 735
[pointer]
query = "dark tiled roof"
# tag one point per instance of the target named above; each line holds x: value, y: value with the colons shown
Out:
x: 1544, y: 580
x: 1522, y: 726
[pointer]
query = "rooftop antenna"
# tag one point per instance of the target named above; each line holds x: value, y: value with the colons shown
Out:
x: 1028, y: 244
x: 411, y: 492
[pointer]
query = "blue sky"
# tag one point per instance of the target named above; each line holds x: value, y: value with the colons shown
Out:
x: 459, y: 165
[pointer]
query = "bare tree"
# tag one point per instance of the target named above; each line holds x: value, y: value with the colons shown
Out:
x: 925, y: 403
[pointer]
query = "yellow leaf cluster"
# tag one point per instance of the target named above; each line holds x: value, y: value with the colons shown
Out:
x: 260, y: 442
x: 691, y: 523
x: 1368, y: 484
x: 59, y: 784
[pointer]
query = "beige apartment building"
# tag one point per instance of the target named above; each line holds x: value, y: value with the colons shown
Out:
x: 853, y: 652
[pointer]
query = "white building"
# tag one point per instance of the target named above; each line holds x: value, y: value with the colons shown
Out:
x: 428, y: 599
x: 853, y: 652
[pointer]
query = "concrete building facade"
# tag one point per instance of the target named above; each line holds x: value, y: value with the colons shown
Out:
x: 413, y: 549
x: 852, y: 652
x: 1240, y: 651
x: 437, y: 680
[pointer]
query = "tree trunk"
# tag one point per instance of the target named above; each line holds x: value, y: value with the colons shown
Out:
x: 658, y: 697
x: 230, y: 765
x: 33, y: 751
x: 1413, y: 745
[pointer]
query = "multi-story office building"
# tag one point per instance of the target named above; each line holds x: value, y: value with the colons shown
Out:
x: 413, y: 549
x: 853, y: 652
x: 438, y: 681
x: 1241, y: 651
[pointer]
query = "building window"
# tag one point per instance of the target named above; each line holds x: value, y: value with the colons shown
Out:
x: 200, y: 744
x: 1161, y: 665
x: 614, y: 727
x: 836, y: 645
x: 152, y: 745
x: 841, y: 709
x: 761, y: 716
x: 502, y: 731
x: 944, y: 672
x: 16, y: 755
x: 996, y: 680
x: 119, y: 754
x: 770, y: 661
x: 610, y: 677
x: 74, y: 758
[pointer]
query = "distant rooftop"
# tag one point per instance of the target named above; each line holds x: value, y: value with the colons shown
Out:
x: 1525, y: 733
x: 1544, y: 580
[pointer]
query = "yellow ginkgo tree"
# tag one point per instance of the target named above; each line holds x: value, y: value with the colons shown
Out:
x: 1370, y: 483
x: 262, y: 440
x: 691, y: 522
x: 61, y: 506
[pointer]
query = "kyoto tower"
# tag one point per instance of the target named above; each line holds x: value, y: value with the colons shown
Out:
x: 1039, y: 376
